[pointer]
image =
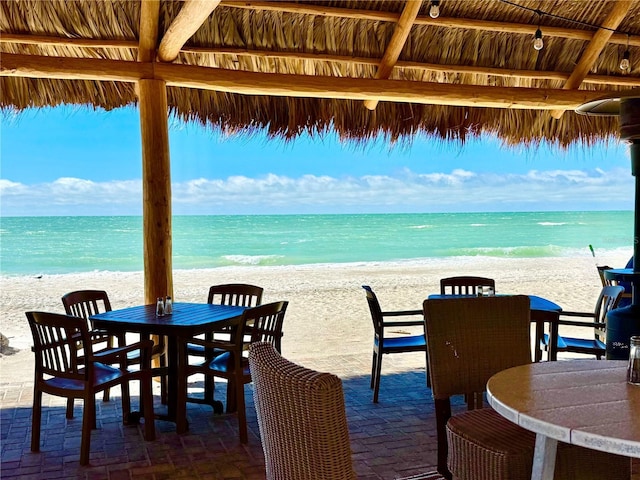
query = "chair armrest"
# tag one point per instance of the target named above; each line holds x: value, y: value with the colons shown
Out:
x: 574, y: 323
x: 399, y: 313
x: 212, y: 344
x: 577, y: 314
x: 118, y: 354
x: 403, y: 324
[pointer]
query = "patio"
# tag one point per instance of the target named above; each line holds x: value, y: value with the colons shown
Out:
x: 393, y: 439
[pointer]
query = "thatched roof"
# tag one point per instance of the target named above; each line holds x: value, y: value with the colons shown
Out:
x: 292, y: 67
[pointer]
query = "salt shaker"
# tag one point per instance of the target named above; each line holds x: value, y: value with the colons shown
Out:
x: 160, y: 307
x: 168, y: 306
x: 633, y: 371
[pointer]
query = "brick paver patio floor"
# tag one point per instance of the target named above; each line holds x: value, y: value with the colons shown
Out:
x: 392, y: 439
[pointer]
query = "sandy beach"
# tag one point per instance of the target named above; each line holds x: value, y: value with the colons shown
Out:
x: 327, y: 310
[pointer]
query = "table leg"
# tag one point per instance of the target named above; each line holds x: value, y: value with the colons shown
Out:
x: 544, y: 458
x: 553, y: 339
x: 180, y: 397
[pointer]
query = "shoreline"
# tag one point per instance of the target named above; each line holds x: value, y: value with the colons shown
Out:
x: 327, y: 308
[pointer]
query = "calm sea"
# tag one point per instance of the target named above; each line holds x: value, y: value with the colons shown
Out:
x: 53, y: 245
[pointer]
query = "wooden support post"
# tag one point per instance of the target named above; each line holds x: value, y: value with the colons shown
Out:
x: 156, y: 190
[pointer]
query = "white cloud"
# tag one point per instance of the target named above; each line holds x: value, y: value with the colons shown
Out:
x: 459, y: 190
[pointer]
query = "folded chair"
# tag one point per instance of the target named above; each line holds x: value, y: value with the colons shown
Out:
x: 301, y: 417
x: 385, y: 343
x: 259, y: 324
x: 58, y: 371
x: 471, y: 339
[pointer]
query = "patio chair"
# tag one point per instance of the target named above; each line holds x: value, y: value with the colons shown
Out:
x: 59, y: 372
x: 237, y: 294
x: 301, y: 417
x: 464, y: 285
x: 597, y: 322
x: 626, y: 297
x: 83, y: 304
x: 384, y: 343
x: 471, y: 339
x: 261, y: 324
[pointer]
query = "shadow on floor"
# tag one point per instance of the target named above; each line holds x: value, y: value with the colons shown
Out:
x: 392, y: 439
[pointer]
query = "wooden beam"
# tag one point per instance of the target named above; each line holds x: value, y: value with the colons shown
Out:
x: 448, y: 22
x: 250, y: 83
x: 66, y: 41
x: 441, y: 21
x: 396, y: 44
x: 191, y: 17
x: 247, y: 83
x: 595, y: 47
x: 627, y: 80
x: 149, y: 25
x: 156, y: 190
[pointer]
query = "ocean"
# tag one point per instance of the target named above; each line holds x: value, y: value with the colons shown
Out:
x: 58, y: 245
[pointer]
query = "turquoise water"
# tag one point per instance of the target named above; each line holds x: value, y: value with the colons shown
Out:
x: 53, y: 245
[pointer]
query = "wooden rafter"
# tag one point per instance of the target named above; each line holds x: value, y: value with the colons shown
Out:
x: 449, y: 22
x: 396, y: 44
x: 149, y: 21
x: 250, y: 83
x: 595, y: 47
x: 627, y: 80
x: 191, y: 17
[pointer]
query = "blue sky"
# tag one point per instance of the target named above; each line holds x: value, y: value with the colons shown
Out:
x: 76, y: 161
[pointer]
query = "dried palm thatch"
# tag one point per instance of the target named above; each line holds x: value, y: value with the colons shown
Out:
x: 294, y: 67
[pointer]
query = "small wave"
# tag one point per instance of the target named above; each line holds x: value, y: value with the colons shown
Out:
x: 513, y: 252
x: 421, y: 226
x: 551, y: 224
x: 252, y: 259
x: 478, y: 224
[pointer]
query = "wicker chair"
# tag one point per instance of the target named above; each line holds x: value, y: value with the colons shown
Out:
x: 384, y: 344
x: 260, y: 324
x: 301, y: 417
x: 470, y: 339
x: 238, y: 294
x: 464, y: 285
x: 59, y: 371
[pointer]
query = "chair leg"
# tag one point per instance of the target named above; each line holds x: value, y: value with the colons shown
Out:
x: 70, y: 402
x: 376, y: 386
x: 209, y: 388
x: 232, y: 396
x: 242, y: 414
x: 373, y: 369
x: 88, y: 420
x: 443, y: 413
x: 36, y: 420
x: 427, y: 371
x: 126, y: 400
x: 146, y: 406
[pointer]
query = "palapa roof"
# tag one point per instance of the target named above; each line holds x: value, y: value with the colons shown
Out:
x: 309, y: 66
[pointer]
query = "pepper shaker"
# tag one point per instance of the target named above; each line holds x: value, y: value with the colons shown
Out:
x: 168, y: 306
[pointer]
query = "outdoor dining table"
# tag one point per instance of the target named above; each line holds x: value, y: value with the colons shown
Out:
x: 186, y: 321
x: 542, y: 311
x: 580, y: 402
